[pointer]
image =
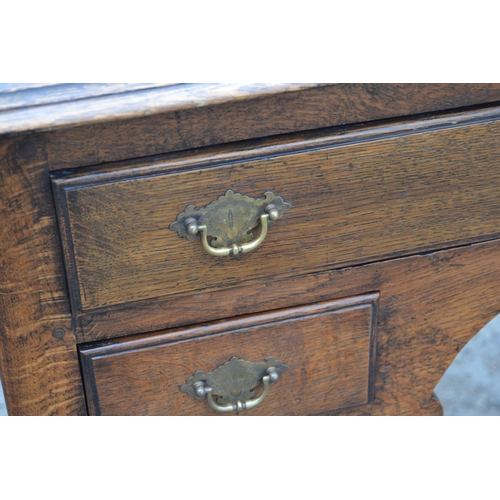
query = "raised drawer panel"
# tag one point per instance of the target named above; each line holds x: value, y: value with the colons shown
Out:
x: 329, y: 348
x: 352, y: 203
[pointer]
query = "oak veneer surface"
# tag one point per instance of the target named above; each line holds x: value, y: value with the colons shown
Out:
x: 352, y: 203
x: 328, y: 347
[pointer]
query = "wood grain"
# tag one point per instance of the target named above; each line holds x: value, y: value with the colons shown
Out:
x: 241, y: 113
x: 38, y: 357
x: 24, y: 96
x: 54, y: 107
x: 358, y: 202
x: 328, y: 347
x: 430, y: 306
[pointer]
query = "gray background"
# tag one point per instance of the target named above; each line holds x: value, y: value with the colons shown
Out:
x: 3, y: 408
x: 470, y: 386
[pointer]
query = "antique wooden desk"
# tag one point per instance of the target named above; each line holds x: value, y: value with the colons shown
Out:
x: 244, y: 249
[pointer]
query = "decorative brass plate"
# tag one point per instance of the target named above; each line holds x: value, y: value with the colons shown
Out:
x: 234, y: 382
x: 229, y: 220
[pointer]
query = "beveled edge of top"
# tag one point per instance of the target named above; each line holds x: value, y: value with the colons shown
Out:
x: 43, y: 107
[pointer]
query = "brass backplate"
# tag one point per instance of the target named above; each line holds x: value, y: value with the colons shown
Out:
x: 235, y: 380
x: 230, y: 218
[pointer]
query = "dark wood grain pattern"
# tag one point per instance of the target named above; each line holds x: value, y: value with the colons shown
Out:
x: 399, y: 194
x: 242, y: 113
x: 327, y: 346
x: 38, y: 356
x: 430, y: 306
x: 283, y: 144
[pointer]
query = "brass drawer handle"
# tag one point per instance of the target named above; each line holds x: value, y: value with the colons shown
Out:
x: 229, y: 221
x: 235, y: 249
x: 234, y: 382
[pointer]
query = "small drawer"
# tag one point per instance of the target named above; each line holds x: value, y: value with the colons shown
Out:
x: 329, y: 349
x: 356, y: 197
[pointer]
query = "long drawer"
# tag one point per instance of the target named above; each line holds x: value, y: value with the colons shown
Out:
x: 355, y: 197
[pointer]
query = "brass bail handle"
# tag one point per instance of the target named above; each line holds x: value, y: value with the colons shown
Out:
x: 193, y: 228
x: 233, y: 383
x: 228, y: 221
x: 201, y: 390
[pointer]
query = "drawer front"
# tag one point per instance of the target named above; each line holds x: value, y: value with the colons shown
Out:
x: 328, y: 347
x: 396, y: 193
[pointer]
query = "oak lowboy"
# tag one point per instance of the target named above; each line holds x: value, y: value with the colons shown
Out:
x: 278, y: 250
